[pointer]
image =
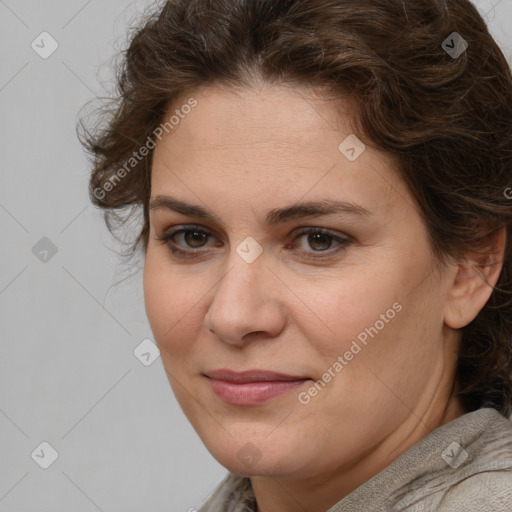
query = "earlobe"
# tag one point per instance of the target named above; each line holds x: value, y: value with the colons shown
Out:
x: 473, y: 282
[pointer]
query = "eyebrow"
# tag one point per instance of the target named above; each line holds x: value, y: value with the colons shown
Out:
x: 273, y: 217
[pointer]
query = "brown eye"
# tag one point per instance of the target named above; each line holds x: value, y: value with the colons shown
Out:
x: 194, y: 238
x: 185, y: 241
x: 321, y: 240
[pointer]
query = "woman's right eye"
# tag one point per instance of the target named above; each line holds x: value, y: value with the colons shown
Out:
x: 193, y: 237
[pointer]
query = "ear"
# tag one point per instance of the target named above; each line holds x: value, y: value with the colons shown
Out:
x: 473, y: 281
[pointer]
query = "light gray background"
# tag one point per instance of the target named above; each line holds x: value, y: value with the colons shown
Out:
x: 68, y: 374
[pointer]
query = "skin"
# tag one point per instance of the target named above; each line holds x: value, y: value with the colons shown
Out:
x: 239, y: 154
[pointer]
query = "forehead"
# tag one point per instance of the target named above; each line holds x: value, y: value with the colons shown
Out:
x: 269, y: 142
x: 270, y: 116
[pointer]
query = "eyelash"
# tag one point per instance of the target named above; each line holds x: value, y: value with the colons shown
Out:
x: 167, y: 239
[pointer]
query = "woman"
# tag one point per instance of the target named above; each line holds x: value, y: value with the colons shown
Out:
x: 327, y: 243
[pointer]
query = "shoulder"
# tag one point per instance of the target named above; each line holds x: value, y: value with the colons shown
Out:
x: 233, y: 494
x: 490, y: 490
x: 467, y: 467
x: 485, y: 483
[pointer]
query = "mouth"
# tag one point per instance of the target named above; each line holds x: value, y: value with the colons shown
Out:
x: 252, y: 387
x: 251, y: 376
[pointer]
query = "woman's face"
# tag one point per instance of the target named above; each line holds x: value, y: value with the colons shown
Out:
x: 355, y: 308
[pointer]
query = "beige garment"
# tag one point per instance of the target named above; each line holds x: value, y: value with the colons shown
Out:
x: 462, y: 466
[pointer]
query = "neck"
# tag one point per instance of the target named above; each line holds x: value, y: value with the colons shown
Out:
x: 287, y: 494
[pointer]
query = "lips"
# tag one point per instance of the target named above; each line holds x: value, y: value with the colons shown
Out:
x: 252, y: 387
x: 251, y: 376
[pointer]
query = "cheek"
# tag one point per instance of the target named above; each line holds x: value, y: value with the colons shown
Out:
x: 156, y: 294
x: 350, y: 306
x: 172, y: 302
x: 386, y: 331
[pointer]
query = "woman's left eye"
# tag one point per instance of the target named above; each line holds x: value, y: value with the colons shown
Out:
x: 319, y: 239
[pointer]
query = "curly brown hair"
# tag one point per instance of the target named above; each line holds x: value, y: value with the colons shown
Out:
x: 445, y: 110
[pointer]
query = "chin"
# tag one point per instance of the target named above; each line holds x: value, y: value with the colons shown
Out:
x: 257, y: 455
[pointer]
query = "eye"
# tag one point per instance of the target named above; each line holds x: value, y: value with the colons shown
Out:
x: 195, y: 238
x: 321, y: 240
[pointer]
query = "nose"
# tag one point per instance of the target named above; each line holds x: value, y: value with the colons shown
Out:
x: 246, y: 303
